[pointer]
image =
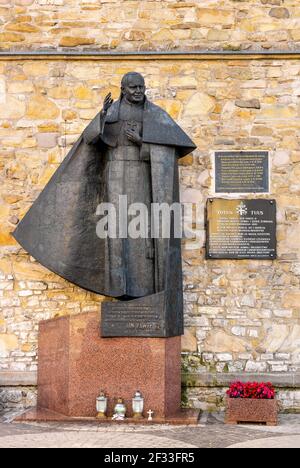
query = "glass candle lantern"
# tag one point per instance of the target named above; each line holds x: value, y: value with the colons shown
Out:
x: 137, y: 405
x: 101, y: 405
x: 120, y: 410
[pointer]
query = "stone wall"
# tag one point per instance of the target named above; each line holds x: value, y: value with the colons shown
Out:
x: 17, y: 398
x: 242, y: 317
x: 214, y: 399
x: 150, y: 24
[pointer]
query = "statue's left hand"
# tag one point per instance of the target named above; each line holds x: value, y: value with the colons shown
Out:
x: 134, y: 136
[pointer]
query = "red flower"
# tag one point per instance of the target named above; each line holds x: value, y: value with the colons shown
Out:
x: 254, y: 390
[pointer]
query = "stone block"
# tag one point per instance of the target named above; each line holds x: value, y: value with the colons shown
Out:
x: 70, y: 41
x: 238, y: 331
x: 22, y: 27
x: 253, y: 366
x: 199, y: 104
x: 224, y: 357
x: 75, y: 363
x: 39, y: 108
x: 291, y: 299
x: 24, y: 2
x: 6, y: 238
x: 83, y: 93
x: 35, y: 69
x: 218, y: 35
x: 47, y: 140
x: 221, y: 342
x: 281, y: 158
x: 248, y: 104
x: 189, y: 341
x: 14, y: 108
x: 11, y: 37
x: 279, y: 13
x: 8, y: 342
x: 59, y: 92
x: 210, y: 16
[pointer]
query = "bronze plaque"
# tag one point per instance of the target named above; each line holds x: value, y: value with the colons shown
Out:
x: 128, y: 320
x: 242, y: 172
x: 134, y: 318
x: 241, y: 229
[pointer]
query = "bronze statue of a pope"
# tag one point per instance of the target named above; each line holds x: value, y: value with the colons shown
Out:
x: 130, y: 149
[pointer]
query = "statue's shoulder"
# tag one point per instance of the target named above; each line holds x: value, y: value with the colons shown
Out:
x: 158, y: 112
x: 161, y: 128
x: 149, y: 105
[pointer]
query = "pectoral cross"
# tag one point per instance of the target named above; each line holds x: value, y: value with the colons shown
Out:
x: 150, y: 413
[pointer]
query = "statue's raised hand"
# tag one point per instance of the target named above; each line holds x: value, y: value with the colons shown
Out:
x: 108, y: 101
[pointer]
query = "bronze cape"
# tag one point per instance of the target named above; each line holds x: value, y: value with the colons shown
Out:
x: 59, y: 230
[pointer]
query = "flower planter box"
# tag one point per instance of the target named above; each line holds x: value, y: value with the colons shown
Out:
x: 243, y: 410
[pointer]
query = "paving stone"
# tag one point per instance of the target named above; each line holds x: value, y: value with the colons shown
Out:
x: 210, y: 433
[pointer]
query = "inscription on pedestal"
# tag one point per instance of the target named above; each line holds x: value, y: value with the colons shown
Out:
x: 126, y: 319
x: 242, y: 172
x: 241, y: 229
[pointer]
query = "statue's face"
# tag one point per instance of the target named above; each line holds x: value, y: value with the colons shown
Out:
x: 135, y: 89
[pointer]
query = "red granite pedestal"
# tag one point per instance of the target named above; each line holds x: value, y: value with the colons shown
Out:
x: 75, y: 363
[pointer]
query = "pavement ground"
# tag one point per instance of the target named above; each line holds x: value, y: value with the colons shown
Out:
x: 210, y: 433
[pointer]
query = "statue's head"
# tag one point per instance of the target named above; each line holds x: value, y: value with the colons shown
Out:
x: 133, y: 87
